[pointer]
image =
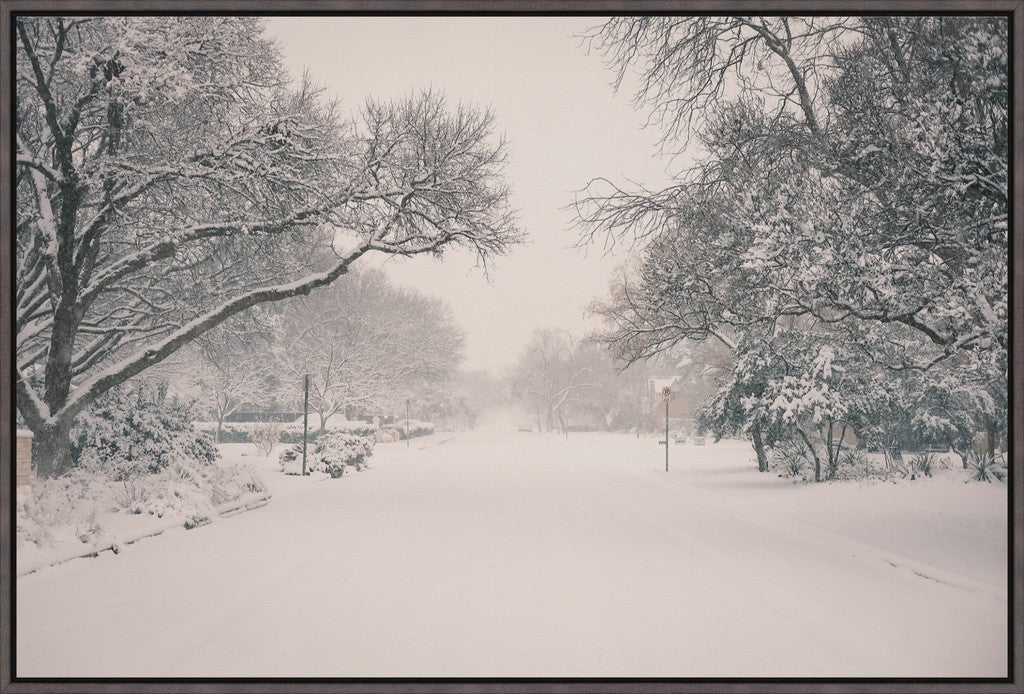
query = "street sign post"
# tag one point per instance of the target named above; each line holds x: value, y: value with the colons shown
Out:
x: 666, y: 394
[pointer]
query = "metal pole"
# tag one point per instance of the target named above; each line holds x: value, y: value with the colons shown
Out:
x: 666, y: 434
x: 407, y: 431
x: 305, y: 420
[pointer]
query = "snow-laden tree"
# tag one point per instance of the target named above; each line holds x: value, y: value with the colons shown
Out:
x: 881, y: 199
x: 169, y: 176
x: 816, y: 395
x: 854, y: 176
x: 952, y: 405
x: 738, y: 406
x: 804, y: 384
x: 363, y: 342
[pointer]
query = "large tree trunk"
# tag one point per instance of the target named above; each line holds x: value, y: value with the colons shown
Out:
x: 51, y: 449
x: 762, y: 459
x: 51, y: 442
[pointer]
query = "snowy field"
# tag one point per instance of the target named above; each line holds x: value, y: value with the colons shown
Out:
x: 499, y: 553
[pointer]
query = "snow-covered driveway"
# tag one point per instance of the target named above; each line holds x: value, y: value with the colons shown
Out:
x: 500, y: 553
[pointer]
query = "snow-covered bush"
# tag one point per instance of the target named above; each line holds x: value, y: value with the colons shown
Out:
x: 416, y: 428
x: 31, y: 518
x: 331, y: 453
x: 138, y: 430
x: 48, y: 510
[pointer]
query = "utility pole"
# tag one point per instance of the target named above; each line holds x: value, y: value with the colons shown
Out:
x: 305, y: 420
x: 408, y: 432
x: 666, y: 393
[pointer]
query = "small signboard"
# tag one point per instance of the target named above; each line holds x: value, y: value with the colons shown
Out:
x: 666, y: 393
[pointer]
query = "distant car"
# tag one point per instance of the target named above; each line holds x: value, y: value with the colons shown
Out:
x: 698, y: 441
x: 680, y: 438
x: 525, y: 426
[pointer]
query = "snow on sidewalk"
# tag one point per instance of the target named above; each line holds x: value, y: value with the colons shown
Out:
x: 516, y: 554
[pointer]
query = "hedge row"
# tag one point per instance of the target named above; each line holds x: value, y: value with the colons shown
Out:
x: 241, y: 432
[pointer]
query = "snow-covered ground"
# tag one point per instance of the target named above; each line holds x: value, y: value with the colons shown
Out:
x: 499, y: 553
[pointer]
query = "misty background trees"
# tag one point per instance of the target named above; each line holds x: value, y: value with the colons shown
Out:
x: 842, y: 232
x: 563, y: 381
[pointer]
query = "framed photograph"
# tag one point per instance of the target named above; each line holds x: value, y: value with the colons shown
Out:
x: 576, y: 346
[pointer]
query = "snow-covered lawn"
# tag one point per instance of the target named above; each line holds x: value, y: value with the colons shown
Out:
x: 498, y: 553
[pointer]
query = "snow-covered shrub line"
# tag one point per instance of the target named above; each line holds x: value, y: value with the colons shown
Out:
x: 242, y: 432
x: 108, y: 542
x: 229, y: 432
x: 81, y: 505
x: 293, y: 432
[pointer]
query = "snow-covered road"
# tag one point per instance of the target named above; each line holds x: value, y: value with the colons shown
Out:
x: 499, y: 553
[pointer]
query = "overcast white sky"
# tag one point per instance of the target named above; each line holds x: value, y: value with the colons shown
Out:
x: 565, y: 125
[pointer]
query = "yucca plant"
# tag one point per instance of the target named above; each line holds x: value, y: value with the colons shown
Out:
x: 925, y: 463
x: 986, y: 468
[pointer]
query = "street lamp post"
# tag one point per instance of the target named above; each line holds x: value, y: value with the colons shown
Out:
x: 305, y: 419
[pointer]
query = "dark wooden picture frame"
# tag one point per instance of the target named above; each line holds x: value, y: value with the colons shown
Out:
x: 9, y: 679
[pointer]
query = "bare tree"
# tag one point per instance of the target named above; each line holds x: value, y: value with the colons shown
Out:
x: 684, y: 67
x: 169, y: 177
